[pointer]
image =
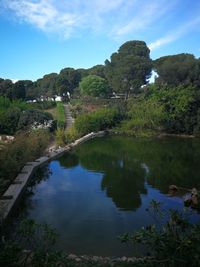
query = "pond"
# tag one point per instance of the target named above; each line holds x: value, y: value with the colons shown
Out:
x: 103, y: 188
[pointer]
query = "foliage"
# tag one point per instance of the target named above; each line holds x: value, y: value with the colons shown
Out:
x: 9, y: 121
x: 31, y: 245
x: 145, y: 117
x: 26, y: 147
x: 67, y: 81
x: 181, y: 105
x: 181, y: 69
x: 99, y: 120
x: 93, y: 85
x: 16, y: 115
x: 129, y: 68
x: 71, y: 134
x: 44, y: 105
x: 98, y: 70
x: 60, y: 115
x: 60, y: 137
x: 18, y: 90
x: 31, y: 116
x: 175, y: 243
x: 47, y: 85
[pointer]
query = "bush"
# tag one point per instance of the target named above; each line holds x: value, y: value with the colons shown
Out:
x: 174, y: 244
x: 99, y: 120
x: 9, y: 121
x: 60, y: 137
x: 44, y: 105
x: 145, y: 117
x: 71, y: 134
x: 29, y: 117
x: 26, y: 147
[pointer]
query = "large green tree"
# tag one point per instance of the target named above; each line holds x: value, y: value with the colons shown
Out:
x: 6, y: 88
x: 181, y: 69
x: 18, y: 90
x: 93, y: 85
x: 67, y: 80
x: 98, y: 70
x: 129, y: 68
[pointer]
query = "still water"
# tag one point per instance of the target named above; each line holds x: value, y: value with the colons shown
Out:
x: 103, y: 188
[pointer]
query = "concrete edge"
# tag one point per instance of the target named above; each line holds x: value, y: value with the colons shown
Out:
x: 12, y: 196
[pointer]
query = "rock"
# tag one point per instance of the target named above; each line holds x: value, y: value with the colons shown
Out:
x: 124, y: 258
x: 194, y: 192
x: 173, y: 187
x: 72, y: 256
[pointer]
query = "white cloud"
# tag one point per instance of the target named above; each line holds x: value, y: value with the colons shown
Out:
x: 67, y: 17
x: 145, y: 14
x: 44, y: 15
x: 175, y: 34
x: 116, y: 18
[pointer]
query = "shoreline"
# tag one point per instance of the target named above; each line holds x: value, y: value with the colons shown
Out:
x: 9, y: 200
x: 12, y: 196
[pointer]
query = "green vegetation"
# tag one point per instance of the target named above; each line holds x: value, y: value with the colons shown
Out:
x: 129, y: 68
x: 170, y: 105
x: 17, y: 115
x: 93, y: 85
x: 26, y: 147
x: 174, y: 244
x: 144, y: 117
x: 101, y: 119
x: 60, y: 115
x: 60, y: 137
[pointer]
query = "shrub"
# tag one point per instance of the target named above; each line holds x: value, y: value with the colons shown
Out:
x: 26, y: 147
x: 60, y: 137
x: 145, y: 117
x: 31, y: 116
x: 9, y: 121
x: 71, y: 134
x: 175, y: 243
x: 99, y: 120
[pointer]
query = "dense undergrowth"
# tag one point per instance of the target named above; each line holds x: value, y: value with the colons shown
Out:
x: 26, y: 147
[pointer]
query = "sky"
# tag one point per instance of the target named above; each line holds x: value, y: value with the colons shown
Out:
x: 38, y: 37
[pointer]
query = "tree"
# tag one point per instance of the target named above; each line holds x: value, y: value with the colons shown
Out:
x: 9, y: 121
x: 98, y: 70
x: 181, y: 69
x: 129, y: 68
x: 93, y: 85
x: 6, y: 88
x: 18, y: 91
x: 67, y: 80
x: 47, y: 85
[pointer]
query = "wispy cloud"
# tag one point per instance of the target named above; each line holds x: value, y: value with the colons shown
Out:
x: 175, y: 34
x: 67, y: 17
x: 145, y: 14
x: 44, y: 15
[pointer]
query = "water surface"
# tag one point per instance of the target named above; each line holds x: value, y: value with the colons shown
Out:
x: 102, y: 189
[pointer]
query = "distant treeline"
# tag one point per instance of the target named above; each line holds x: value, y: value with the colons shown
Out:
x: 125, y: 72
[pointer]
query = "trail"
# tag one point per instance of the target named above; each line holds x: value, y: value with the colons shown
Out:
x: 68, y: 117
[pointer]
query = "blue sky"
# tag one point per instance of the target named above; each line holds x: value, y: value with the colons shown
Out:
x: 44, y: 36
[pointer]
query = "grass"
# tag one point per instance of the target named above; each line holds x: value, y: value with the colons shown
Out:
x: 58, y: 114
